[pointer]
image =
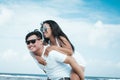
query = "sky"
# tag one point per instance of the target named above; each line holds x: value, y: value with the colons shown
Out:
x: 93, y: 26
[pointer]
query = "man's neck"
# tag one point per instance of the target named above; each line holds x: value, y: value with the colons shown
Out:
x: 40, y: 51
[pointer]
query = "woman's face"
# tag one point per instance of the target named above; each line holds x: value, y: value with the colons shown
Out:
x: 47, y: 32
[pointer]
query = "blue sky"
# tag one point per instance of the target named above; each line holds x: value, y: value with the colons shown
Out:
x: 93, y: 26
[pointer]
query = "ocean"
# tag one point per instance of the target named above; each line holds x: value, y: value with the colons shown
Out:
x: 16, y: 76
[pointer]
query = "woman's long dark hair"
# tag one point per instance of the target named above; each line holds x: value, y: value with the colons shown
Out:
x: 56, y: 31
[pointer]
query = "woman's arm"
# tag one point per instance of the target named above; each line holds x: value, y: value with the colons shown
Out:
x: 40, y: 60
x: 65, y: 46
x: 59, y: 49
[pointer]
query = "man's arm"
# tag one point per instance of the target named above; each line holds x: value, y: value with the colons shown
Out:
x: 36, y: 59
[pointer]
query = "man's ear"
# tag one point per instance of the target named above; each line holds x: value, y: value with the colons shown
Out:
x: 41, y: 40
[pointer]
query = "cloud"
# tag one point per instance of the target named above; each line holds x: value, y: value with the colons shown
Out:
x: 118, y: 64
x: 102, y: 68
x: 103, y: 34
x: 99, y: 23
x: 106, y: 63
x: 5, y: 15
x: 9, y: 55
x: 57, y: 4
x: 98, y: 37
x: 12, y: 61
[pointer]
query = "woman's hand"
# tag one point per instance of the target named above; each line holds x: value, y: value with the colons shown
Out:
x: 40, y: 60
x: 48, y: 49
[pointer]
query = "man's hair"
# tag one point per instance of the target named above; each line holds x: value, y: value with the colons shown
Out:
x: 35, y: 32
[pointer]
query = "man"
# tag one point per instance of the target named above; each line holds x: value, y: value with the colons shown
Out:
x: 57, y: 64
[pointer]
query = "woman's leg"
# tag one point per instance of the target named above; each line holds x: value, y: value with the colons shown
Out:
x: 75, y: 66
x: 74, y: 76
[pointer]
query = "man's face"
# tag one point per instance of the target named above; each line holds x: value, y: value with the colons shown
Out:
x: 34, y: 43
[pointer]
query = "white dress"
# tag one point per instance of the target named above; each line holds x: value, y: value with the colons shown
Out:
x: 77, y: 56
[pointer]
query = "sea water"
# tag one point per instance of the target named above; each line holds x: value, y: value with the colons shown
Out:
x: 14, y: 76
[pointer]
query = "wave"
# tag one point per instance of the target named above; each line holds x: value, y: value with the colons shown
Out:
x: 15, y: 76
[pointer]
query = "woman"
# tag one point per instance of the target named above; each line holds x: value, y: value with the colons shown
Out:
x: 58, y: 40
